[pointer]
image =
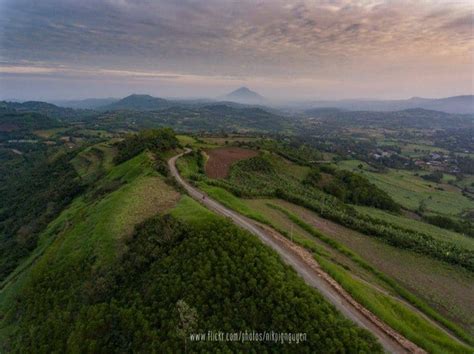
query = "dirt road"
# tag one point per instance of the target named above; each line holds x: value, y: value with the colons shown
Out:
x: 305, y: 265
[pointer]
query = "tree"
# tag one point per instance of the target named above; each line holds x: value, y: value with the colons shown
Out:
x: 187, y: 320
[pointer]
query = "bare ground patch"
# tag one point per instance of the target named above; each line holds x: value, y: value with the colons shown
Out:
x: 220, y: 160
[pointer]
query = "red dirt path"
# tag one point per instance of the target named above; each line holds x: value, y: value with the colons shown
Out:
x: 221, y: 159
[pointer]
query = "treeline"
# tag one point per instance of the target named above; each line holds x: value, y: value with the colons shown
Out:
x: 464, y: 226
x: 156, y: 140
x: 31, y: 196
x: 289, y: 148
x: 175, y: 279
x: 351, y: 188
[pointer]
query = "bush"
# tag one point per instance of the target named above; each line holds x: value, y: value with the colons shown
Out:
x: 353, y: 188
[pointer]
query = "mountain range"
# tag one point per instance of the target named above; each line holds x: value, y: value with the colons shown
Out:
x: 245, y: 96
x: 456, y: 104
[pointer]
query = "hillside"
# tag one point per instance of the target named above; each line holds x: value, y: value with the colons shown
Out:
x: 138, y: 102
x: 44, y: 108
x: 413, y: 118
x: 88, y: 103
x: 383, y: 258
x: 208, y: 117
x: 456, y: 104
x: 127, y: 257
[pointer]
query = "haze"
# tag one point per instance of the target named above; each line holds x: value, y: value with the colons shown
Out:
x: 333, y: 49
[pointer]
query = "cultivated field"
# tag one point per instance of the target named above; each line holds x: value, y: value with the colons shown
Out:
x: 221, y: 159
x: 411, y: 191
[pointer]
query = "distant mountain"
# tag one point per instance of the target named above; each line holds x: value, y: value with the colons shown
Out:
x: 409, y: 118
x: 139, y: 103
x: 45, y: 108
x: 455, y: 104
x: 244, y: 95
x: 89, y: 103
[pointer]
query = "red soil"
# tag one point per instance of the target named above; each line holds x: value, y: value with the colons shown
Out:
x: 221, y: 159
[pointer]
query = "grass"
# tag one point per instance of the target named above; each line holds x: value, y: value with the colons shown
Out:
x: 187, y: 166
x: 49, y: 133
x: 229, y: 139
x: 410, y: 191
x: 231, y: 201
x: 191, y: 211
x: 436, y: 340
x: 195, y: 143
x: 186, y: 140
x: 94, y: 229
x: 392, y: 312
x: 436, y: 232
x: 94, y: 160
x: 444, y: 287
x: 287, y: 167
x: 387, y: 280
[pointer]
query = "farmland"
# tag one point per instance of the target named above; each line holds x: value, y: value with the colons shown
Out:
x: 106, y: 232
x: 220, y: 160
x: 449, y: 298
x: 412, y: 191
x: 259, y: 210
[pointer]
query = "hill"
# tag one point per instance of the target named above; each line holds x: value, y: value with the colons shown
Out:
x: 138, y: 102
x: 46, y: 109
x: 456, y: 104
x: 131, y: 265
x: 89, y: 103
x: 244, y: 95
x: 414, y: 118
x: 209, y: 117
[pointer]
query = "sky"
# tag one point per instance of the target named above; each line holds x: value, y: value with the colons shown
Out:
x: 301, y: 49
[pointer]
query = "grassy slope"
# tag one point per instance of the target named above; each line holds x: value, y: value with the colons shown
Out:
x: 409, y: 190
x: 93, y: 228
x: 398, y: 315
x: 437, y: 232
x: 241, y: 205
x: 94, y: 158
x: 87, y: 238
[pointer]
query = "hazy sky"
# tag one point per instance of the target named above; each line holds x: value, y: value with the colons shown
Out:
x: 64, y: 49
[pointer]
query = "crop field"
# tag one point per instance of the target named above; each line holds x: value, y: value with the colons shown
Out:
x: 220, y: 160
x: 49, y: 133
x: 410, y: 191
x: 357, y: 280
x: 186, y: 139
x: 436, y: 287
x: 447, y: 288
x: 435, y: 231
x: 229, y: 139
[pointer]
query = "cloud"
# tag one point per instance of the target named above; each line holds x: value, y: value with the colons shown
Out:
x: 271, y: 39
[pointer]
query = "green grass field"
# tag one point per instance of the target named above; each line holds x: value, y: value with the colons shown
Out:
x: 191, y: 211
x: 437, y: 232
x: 409, y: 190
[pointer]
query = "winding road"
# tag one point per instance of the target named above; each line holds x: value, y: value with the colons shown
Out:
x: 305, y: 265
